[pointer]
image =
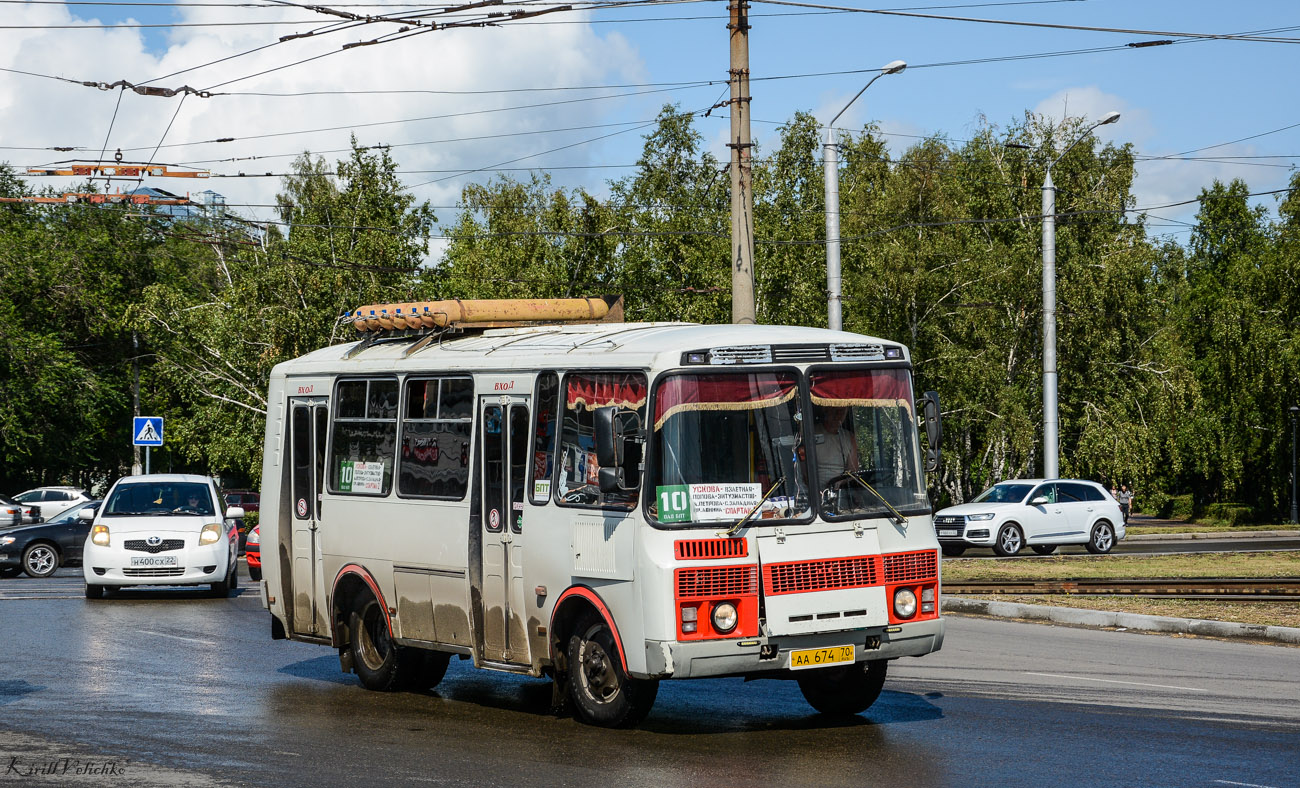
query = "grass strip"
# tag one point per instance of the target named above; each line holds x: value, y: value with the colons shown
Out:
x: 1278, y: 614
x: 1120, y: 567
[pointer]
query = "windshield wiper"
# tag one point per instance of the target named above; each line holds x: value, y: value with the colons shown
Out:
x: 893, y: 513
x: 751, y: 512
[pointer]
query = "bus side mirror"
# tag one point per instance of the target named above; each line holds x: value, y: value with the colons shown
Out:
x: 609, y: 443
x: 611, y: 479
x: 933, y: 421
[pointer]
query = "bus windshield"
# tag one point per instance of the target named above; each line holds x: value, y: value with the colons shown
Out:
x: 865, y: 443
x: 723, y: 443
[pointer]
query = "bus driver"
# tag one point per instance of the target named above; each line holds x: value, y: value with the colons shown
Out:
x: 837, y: 451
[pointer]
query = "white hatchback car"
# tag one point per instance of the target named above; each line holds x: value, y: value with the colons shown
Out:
x: 1035, y: 512
x: 162, y: 529
x: 50, y: 502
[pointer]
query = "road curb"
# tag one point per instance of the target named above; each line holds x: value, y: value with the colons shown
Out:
x: 1225, y: 535
x: 1101, y: 619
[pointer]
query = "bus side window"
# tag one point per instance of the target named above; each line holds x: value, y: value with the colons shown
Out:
x: 365, y: 437
x: 436, y: 422
x: 543, y: 460
x: 579, y: 480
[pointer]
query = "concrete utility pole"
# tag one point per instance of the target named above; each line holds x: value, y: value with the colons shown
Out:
x: 742, y: 166
x: 831, y: 176
x: 1051, y: 413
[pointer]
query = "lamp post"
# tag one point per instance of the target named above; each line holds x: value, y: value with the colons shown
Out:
x: 1295, y: 516
x: 830, y: 157
x: 1051, y: 443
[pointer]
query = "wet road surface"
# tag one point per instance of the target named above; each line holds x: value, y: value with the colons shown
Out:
x: 181, y: 689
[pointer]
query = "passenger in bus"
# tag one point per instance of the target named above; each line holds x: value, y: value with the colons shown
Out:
x: 837, y: 451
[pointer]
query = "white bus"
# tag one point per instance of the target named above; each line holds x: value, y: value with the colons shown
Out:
x: 605, y: 503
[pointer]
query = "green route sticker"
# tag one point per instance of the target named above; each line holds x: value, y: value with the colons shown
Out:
x: 674, y: 503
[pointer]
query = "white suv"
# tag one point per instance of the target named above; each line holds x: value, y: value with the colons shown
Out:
x: 1039, y: 513
x: 50, y: 502
x: 162, y: 529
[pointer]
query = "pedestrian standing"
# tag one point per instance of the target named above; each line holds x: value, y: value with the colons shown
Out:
x: 1125, y: 499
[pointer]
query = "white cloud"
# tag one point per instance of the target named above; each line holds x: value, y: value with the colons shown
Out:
x: 43, y: 113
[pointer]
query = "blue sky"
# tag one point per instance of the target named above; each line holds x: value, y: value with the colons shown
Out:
x: 1172, y: 98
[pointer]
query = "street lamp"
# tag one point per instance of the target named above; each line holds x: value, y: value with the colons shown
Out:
x: 830, y: 156
x: 1295, y: 516
x: 1051, y: 445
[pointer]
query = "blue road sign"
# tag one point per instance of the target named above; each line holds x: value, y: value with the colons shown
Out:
x: 148, y: 431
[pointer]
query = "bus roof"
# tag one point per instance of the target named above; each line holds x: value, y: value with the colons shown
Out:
x: 612, y: 345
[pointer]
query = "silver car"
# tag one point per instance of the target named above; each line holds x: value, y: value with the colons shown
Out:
x: 1039, y: 513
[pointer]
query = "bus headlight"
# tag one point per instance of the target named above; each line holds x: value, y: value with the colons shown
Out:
x: 725, y: 617
x: 99, y: 535
x: 904, y: 603
x: 210, y: 534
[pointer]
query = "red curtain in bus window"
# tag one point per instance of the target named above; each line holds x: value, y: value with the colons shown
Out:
x: 680, y: 393
x: 881, y: 387
x: 606, y: 391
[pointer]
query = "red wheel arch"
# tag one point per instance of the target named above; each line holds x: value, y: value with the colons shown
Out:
x: 369, y: 580
x: 598, y: 603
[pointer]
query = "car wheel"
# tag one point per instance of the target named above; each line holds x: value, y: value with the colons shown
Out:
x: 844, y: 691
x: 602, y: 693
x: 381, y: 664
x: 255, y: 574
x: 222, y: 588
x: 11, y: 571
x: 94, y: 591
x: 1010, y: 540
x: 40, y: 560
x: 1043, y: 549
x: 1102, y: 538
x: 952, y: 551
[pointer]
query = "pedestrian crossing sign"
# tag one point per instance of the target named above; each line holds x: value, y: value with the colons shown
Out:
x: 148, y: 431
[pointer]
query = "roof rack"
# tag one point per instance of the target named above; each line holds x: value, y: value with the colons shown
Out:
x: 429, y: 320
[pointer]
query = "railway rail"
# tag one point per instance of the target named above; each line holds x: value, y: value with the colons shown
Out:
x: 1226, y: 589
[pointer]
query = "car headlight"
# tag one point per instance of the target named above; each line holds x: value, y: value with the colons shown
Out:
x: 978, y: 517
x: 904, y: 603
x: 210, y: 533
x: 8, y: 539
x: 99, y: 535
x: 725, y: 617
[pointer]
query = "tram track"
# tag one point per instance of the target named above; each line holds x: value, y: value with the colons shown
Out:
x: 1285, y: 589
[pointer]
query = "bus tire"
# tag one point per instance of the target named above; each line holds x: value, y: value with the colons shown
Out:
x: 381, y: 664
x: 603, y: 695
x: 844, y: 691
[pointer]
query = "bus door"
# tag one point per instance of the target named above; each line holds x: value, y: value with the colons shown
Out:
x: 308, y: 417
x: 503, y: 465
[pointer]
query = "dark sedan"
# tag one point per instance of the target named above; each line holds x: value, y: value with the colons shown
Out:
x: 40, y: 549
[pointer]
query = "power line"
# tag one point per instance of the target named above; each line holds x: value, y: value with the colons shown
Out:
x: 1048, y: 25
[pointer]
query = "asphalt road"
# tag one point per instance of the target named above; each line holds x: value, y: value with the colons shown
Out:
x: 176, y: 689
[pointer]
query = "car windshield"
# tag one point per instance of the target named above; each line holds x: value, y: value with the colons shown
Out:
x: 31, y: 496
x: 1004, y: 493
x: 724, y: 441
x: 865, y: 442
x: 159, y: 498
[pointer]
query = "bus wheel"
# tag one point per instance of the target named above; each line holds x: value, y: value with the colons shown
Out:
x: 381, y: 664
x: 844, y: 691
x: 602, y: 693
x: 431, y: 667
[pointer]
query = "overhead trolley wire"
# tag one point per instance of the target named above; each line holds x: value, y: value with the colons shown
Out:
x: 1047, y: 25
